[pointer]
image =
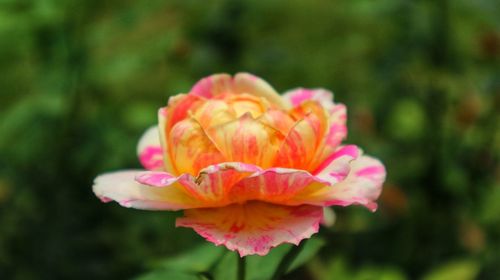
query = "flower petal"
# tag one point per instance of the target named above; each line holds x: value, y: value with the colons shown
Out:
x: 280, y: 186
x: 121, y: 187
x: 302, y: 142
x: 362, y: 185
x: 210, y: 188
x: 336, y: 167
x: 337, y: 130
x: 213, y: 112
x: 149, y: 149
x: 253, y: 227
x: 247, y: 140
x: 179, y: 107
x: 277, y: 119
x: 162, y: 125
x: 300, y: 95
x: 248, y: 83
x: 191, y: 149
x: 214, y: 85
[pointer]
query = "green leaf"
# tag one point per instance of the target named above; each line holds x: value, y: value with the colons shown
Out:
x: 199, y: 259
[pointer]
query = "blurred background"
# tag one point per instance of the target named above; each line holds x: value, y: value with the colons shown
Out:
x: 81, y: 80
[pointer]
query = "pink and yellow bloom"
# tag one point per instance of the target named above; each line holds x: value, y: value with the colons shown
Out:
x: 250, y: 168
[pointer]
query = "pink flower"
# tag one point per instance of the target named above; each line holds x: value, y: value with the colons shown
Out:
x: 250, y: 168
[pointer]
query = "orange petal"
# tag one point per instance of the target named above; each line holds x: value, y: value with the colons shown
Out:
x: 280, y: 186
x: 251, y: 84
x: 337, y: 132
x: 213, y: 112
x: 303, y: 140
x: 190, y: 148
x: 247, y: 140
x: 162, y: 127
x: 244, y: 103
x: 179, y: 107
x: 336, y: 117
x: 210, y: 188
x: 278, y: 120
x: 253, y: 227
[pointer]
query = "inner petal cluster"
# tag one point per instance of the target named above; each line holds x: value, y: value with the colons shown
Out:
x: 241, y: 128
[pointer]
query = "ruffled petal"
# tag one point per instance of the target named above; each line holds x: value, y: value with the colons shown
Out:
x: 247, y: 140
x: 210, y: 188
x: 362, y: 185
x: 253, y: 227
x: 121, y: 187
x: 149, y: 150
x: 281, y: 186
x: 336, y: 166
x: 214, y: 85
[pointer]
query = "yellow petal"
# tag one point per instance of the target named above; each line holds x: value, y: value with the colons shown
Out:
x: 247, y: 140
x: 241, y: 83
x: 190, y: 148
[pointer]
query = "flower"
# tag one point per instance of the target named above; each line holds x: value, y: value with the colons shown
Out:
x: 250, y: 168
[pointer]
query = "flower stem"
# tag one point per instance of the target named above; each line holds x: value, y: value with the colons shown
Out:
x: 287, y: 260
x: 241, y: 267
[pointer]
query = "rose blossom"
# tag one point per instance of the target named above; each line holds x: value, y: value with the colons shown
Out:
x: 250, y: 168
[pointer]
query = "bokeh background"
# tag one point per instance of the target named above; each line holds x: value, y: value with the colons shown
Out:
x: 81, y: 80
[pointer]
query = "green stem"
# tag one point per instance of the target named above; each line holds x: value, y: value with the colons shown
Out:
x: 287, y: 261
x: 241, y: 267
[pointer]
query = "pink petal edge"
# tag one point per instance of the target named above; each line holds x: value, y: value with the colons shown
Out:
x: 269, y: 225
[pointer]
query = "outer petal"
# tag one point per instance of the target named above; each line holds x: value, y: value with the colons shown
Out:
x: 281, y: 186
x: 214, y: 85
x: 254, y: 227
x: 211, y: 187
x: 121, y: 187
x: 362, y: 185
x: 336, y: 166
x: 149, y: 149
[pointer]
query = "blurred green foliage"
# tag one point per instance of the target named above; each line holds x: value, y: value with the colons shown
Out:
x: 81, y: 80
